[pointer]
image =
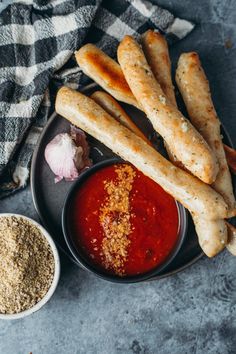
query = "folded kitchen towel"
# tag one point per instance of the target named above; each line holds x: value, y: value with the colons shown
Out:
x: 37, y: 41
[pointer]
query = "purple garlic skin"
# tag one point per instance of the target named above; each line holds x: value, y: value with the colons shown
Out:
x: 68, y: 155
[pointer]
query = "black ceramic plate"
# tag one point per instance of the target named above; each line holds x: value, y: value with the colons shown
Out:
x: 49, y: 197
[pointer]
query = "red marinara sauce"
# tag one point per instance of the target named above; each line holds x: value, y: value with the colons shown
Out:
x: 124, y: 221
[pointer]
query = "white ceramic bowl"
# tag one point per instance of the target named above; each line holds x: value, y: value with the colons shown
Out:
x: 53, y: 286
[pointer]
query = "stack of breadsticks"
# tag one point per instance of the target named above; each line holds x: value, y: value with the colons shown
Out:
x: 197, y: 174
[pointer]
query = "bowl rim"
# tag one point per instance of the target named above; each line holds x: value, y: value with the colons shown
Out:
x: 57, y: 270
x: 85, y: 264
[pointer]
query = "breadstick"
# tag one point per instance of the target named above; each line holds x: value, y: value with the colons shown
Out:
x: 212, y: 234
x: 194, y: 88
x: 182, y: 138
x: 191, y: 192
x: 111, y: 106
x: 157, y: 54
x: 105, y: 71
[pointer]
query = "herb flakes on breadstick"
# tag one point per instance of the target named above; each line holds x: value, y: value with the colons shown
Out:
x: 183, y: 139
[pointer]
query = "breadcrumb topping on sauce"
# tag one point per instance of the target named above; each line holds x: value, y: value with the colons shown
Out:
x: 114, y: 218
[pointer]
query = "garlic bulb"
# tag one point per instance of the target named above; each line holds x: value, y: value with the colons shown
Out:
x: 67, y: 156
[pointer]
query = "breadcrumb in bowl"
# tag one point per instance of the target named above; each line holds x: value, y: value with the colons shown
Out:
x: 20, y: 257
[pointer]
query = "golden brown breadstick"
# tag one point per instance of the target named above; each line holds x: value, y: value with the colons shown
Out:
x: 191, y: 192
x: 111, y: 106
x: 157, y: 54
x: 106, y: 72
x: 182, y: 138
x: 194, y: 87
x: 212, y: 234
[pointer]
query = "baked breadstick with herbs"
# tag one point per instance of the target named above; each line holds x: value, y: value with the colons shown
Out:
x: 105, y: 71
x: 111, y: 106
x: 195, y: 90
x: 156, y: 52
x: 184, y: 141
x: 212, y: 234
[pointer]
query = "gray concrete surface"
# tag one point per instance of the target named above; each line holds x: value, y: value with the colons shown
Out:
x: 191, y: 312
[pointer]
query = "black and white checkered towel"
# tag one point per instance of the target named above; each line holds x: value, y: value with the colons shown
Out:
x: 37, y: 41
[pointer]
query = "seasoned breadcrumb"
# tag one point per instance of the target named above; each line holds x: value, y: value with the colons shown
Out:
x: 26, y: 265
x: 115, y: 219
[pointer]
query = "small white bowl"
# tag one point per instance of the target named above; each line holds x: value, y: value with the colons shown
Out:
x: 53, y: 286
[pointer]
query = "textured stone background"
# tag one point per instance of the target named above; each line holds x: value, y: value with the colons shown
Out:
x: 191, y: 312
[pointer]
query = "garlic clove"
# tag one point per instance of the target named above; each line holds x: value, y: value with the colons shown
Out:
x: 60, y: 154
x: 68, y: 154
